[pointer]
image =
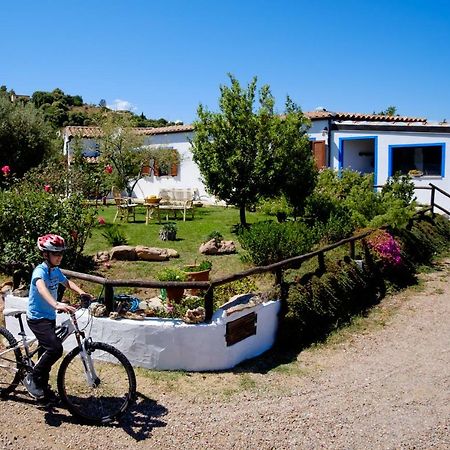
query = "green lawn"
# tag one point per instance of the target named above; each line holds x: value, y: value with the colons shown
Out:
x: 190, y: 235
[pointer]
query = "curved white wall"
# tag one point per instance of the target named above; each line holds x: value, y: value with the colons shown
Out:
x: 167, y: 344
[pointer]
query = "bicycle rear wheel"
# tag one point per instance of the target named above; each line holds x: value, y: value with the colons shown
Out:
x: 114, y: 390
x: 10, y: 373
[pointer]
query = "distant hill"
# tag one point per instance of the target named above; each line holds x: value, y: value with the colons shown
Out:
x: 61, y: 109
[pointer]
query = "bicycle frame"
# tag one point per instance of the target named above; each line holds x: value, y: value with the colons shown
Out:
x: 63, y: 331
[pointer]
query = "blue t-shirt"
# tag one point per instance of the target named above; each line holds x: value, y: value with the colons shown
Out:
x: 38, y: 307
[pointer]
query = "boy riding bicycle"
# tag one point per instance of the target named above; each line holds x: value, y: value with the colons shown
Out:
x: 41, y: 313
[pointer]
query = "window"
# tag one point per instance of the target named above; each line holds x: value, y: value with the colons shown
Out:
x: 162, y: 162
x: 426, y: 159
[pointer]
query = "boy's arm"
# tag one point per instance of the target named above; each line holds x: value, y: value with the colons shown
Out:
x: 73, y: 287
x: 47, y: 296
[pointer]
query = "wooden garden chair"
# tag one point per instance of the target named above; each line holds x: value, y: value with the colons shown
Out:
x: 125, y: 209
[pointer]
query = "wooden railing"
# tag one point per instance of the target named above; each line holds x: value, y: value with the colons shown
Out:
x: 276, y: 268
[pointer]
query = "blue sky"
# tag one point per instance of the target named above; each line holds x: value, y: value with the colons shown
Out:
x: 164, y: 58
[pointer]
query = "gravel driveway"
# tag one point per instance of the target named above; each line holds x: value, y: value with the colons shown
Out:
x: 383, y: 383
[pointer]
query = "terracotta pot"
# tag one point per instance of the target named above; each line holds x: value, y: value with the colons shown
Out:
x: 202, y: 275
x: 174, y: 294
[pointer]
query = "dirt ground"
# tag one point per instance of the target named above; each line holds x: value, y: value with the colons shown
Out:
x: 382, y: 383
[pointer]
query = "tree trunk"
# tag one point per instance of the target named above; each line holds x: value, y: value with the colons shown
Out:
x: 242, y: 216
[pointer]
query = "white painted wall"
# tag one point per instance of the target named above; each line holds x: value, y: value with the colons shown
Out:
x: 167, y: 344
x: 188, y: 172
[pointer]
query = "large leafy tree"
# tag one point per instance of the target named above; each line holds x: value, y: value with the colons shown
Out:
x: 120, y: 147
x: 25, y: 137
x: 246, y: 153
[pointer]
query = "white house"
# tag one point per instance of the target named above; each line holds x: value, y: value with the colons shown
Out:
x: 384, y: 145
x: 368, y: 143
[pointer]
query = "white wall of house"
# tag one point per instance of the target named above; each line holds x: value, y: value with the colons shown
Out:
x: 188, y: 175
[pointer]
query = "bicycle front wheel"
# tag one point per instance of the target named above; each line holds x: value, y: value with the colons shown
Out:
x: 112, y: 392
x: 10, y: 359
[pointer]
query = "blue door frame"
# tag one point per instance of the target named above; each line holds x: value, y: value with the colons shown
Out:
x: 356, y: 138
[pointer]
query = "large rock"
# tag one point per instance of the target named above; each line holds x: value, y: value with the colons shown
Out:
x: 124, y: 253
x: 151, y: 253
x: 227, y: 247
x: 209, y: 248
x: 213, y: 248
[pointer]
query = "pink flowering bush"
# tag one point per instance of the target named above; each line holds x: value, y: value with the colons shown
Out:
x: 6, y: 170
x: 386, y: 248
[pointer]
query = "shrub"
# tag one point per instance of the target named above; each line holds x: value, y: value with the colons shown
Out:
x: 222, y: 294
x: 278, y: 207
x: 216, y: 235
x: 268, y: 242
x: 114, y: 235
x: 385, y: 247
x: 168, y: 232
x: 26, y: 215
x: 171, y: 274
x: 199, y: 267
x: 320, y: 302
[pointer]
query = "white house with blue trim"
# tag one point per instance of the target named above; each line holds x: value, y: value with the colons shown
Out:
x: 368, y: 143
x: 384, y: 145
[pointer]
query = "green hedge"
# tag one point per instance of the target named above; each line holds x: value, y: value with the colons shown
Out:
x: 319, y: 302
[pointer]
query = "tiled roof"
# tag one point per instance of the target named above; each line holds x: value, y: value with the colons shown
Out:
x: 95, y: 132
x: 316, y: 115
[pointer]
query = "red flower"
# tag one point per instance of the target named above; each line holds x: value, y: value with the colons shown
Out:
x: 6, y: 170
x: 101, y: 220
x: 108, y: 168
x: 47, y: 188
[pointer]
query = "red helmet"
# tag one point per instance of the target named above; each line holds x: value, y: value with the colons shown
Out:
x: 51, y: 243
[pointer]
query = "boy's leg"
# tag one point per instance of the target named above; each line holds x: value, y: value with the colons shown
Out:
x: 44, y: 330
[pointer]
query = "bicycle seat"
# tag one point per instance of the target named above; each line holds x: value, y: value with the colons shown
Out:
x: 13, y: 312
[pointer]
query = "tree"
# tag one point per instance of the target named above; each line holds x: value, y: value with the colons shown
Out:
x: 102, y: 103
x: 245, y: 154
x: 120, y: 147
x: 25, y: 138
x: 389, y: 111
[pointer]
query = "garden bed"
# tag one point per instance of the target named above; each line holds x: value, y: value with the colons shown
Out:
x: 239, y: 330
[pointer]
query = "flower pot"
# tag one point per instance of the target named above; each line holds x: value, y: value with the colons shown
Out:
x: 202, y: 275
x: 173, y: 294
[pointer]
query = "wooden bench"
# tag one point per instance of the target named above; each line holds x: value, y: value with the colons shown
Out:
x: 174, y: 200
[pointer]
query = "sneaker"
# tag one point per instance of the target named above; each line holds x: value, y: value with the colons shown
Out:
x: 30, y: 385
x: 50, y: 398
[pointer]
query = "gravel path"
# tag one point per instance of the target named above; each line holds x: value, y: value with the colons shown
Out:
x: 381, y: 384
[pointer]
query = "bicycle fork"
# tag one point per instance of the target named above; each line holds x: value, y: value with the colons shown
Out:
x: 89, y: 371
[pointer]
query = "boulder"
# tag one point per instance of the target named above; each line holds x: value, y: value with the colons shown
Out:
x: 151, y: 253
x: 227, y: 247
x: 124, y: 253
x: 101, y: 256
x: 209, y: 248
x: 172, y: 253
x: 213, y: 248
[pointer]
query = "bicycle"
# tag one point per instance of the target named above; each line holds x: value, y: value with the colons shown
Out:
x: 95, y: 380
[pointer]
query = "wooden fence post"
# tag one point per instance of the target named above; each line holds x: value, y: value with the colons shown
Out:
x: 321, y: 258
x: 352, y: 249
x: 109, y: 297
x: 433, y: 192
x: 209, y: 304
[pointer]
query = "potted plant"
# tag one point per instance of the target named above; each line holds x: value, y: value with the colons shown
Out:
x: 172, y: 274
x: 415, y: 173
x: 168, y: 232
x: 198, y: 272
